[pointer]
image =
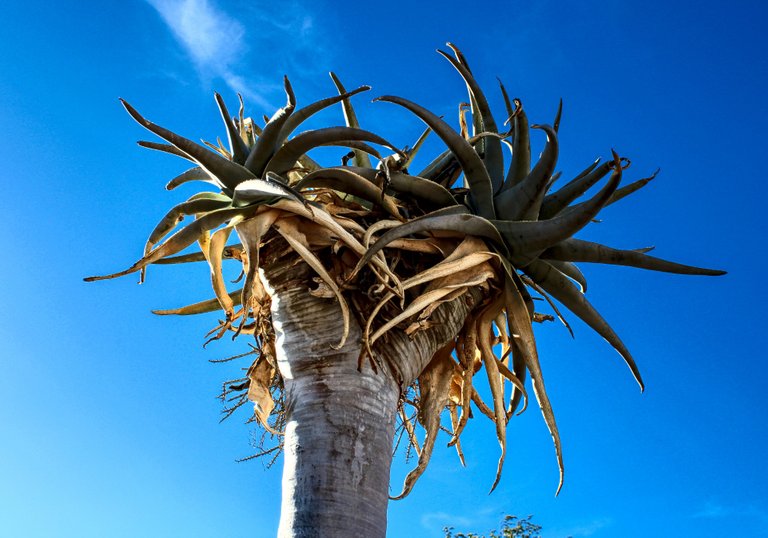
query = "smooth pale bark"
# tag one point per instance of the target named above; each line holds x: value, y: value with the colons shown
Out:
x: 340, y: 422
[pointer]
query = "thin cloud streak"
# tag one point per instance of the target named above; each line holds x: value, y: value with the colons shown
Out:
x: 208, y: 34
x: 432, y: 520
x: 582, y: 530
x: 219, y: 45
x: 214, y: 41
x: 713, y: 510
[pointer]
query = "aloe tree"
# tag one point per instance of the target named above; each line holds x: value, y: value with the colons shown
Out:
x: 374, y: 295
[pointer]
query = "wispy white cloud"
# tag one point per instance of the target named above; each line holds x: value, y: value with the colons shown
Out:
x: 244, y: 52
x: 483, y: 516
x: 433, y: 520
x: 208, y: 34
x: 585, y: 529
x: 714, y: 510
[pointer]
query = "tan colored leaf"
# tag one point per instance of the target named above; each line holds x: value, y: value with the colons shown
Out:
x: 260, y: 375
x: 506, y: 372
x: 324, y: 219
x: 423, y: 246
x: 455, y: 294
x: 454, y: 394
x: 251, y: 232
x: 199, y: 308
x: 408, y: 425
x: 473, y: 276
x: 481, y: 405
x: 290, y: 232
x: 422, y: 302
x: 434, y: 383
x: 447, y: 267
x: 520, y: 323
x: 465, y: 353
x: 214, y: 256
x: 484, y: 332
x: 454, y: 423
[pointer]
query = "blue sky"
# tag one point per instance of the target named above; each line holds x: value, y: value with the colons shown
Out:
x: 110, y: 425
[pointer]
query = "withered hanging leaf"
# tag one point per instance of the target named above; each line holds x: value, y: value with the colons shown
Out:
x: 214, y: 257
x: 290, y: 232
x: 251, y: 231
x: 211, y: 305
x: 429, y: 299
x: 484, y: 331
x: 434, y: 384
x: 451, y: 266
x: 260, y: 376
x: 520, y: 324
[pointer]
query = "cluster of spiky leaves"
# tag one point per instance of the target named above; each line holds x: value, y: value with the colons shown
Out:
x: 396, y: 245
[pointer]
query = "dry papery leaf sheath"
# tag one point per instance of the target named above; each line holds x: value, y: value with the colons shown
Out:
x: 389, y: 246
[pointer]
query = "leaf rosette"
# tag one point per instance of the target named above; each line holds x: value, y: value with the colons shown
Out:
x: 395, y: 245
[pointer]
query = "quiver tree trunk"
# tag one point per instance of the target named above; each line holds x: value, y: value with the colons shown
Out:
x: 339, y: 421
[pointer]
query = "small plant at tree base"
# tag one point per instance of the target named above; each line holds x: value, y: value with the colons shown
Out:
x: 513, y: 527
x: 430, y: 273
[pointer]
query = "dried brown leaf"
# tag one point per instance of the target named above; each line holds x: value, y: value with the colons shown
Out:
x: 434, y: 383
x: 290, y: 232
x: 260, y: 375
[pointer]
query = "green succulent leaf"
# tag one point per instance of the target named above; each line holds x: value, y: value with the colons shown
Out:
x: 198, y: 203
x: 529, y: 238
x: 346, y: 180
x: 306, y: 112
x: 561, y: 288
x: 182, y: 239
x: 558, y: 116
x: 635, y: 186
x: 520, y: 166
x: 285, y: 159
x: 412, y: 152
x: 237, y: 146
x: 350, y: 117
x: 227, y: 173
x: 455, y: 219
x: 408, y: 187
x: 523, y: 200
x: 269, y: 140
x: 577, y: 250
x: 165, y: 148
x: 554, y: 203
x: 195, y: 173
x: 491, y: 147
x: 436, y: 169
x: 570, y: 270
x: 474, y: 170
